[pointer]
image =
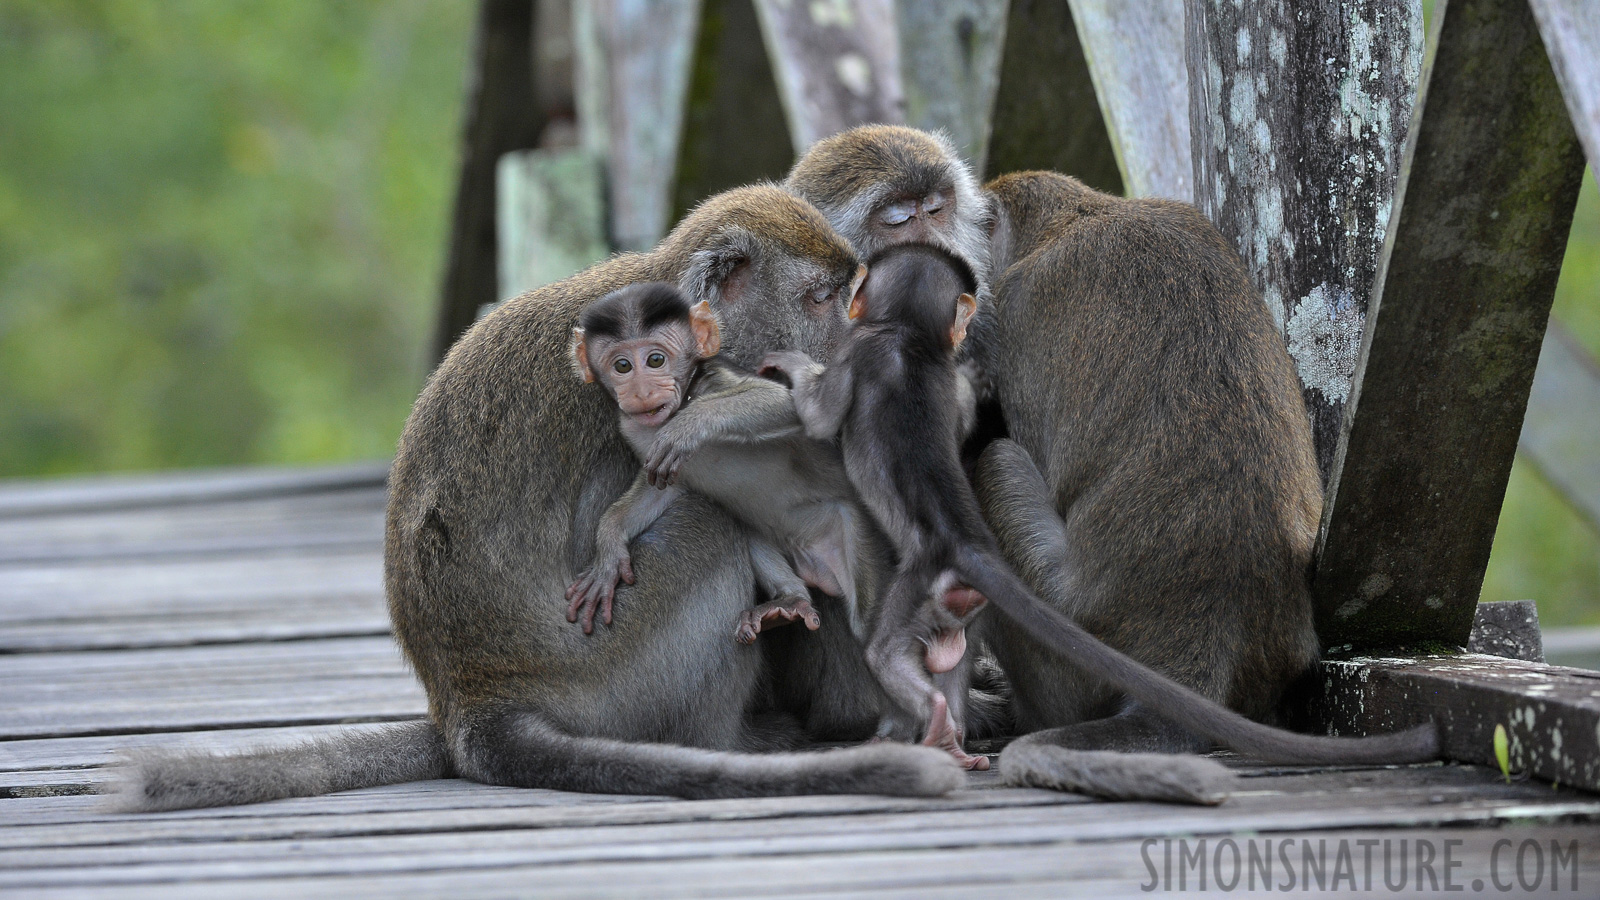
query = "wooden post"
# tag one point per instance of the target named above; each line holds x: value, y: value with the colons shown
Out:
x: 1135, y: 53
x: 1571, y: 32
x: 1046, y: 115
x: 1298, y: 115
x: 836, y: 62
x: 734, y: 130
x: 1462, y: 296
x: 950, y: 68
x: 502, y: 114
x: 1561, y: 429
x: 633, y: 78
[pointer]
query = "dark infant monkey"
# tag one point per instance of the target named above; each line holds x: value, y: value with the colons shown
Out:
x: 890, y: 396
x: 501, y: 475
x: 654, y: 353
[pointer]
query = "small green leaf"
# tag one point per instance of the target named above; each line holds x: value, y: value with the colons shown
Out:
x: 1502, y: 751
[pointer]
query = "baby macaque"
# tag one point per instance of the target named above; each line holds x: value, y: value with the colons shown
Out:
x: 698, y: 422
x: 891, y: 396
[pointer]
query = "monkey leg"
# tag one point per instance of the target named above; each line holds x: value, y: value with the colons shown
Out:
x: 790, y: 602
x: 1129, y: 756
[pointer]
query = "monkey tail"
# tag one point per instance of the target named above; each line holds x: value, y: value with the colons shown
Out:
x: 152, y: 780
x: 520, y: 750
x: 1174, y: 702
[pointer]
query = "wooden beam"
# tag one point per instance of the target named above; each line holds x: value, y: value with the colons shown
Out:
x: 1135, y: 53
x: 1571, y: 32
x: 950, y: 68
x: 502, y: 114
x: 1298, y: 114
x: 552, y: 215
x: 1561, y: 430
x: 837, y: 64
x: 632, y: 82
x: 734, y: 129
x: 1551, y: 714
x: 1046, y: 115
x: 1460, y: 304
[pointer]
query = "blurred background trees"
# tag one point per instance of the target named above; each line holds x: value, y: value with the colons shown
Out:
x: 222, y: 227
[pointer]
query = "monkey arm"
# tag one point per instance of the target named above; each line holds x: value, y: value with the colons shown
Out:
x: 821, y: 394
x: 623, y: 521
x: 730, y: 408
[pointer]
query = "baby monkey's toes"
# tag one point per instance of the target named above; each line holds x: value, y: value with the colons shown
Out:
x: 774, y: 613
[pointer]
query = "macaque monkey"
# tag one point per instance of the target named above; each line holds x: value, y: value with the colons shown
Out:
x: 890, y: 397
x: 654, y: 354
x: 502, y: 474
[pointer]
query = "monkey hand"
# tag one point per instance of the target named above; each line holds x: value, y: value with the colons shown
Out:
x: 794, y: 365
x: 773, y: 613
x: 595, y: 589
x: 674, y: 445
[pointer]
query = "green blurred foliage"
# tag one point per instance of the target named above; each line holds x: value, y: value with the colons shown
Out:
x: 1543, y: 550
x: 221, y: 227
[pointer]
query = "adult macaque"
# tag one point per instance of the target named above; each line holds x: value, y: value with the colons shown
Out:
x: 501, y: 477
x: 890, y: 396
x: 738, y: 442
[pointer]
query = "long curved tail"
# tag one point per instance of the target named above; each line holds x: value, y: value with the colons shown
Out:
x: 152, y: 780
x: 1176, y: 703
x: 520, y: 750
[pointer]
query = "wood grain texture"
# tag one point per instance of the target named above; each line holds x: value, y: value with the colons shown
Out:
x: 1551, y: 714
x: 1046, y: 115
x: 1135, y: 53
x: 1571, y: 31
x: 734, y: 129
x: 836, y: 63
x: 632, y: 83
x: 950, y: 68
x: 95, y: 493
x: 1459, y: 311
x: 1298, y: 118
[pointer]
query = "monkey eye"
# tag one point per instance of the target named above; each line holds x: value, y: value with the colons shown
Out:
x: 898, y: 213
x: 623, y: 365
x: 656, y: 359
x: 820, y: 294
x: 933, y: 202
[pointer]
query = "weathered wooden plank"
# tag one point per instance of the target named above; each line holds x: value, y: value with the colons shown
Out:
x: 836, y: 63
x: 551, y: 209
x: 632, y: 82
x: 1551, y: 714
x: 751, y: 838
x: 1571, y: 31
x: 1460, y: 304
x: 92, y: 493
x: 950, y: 68
x: 1136, y: 58
x: 502, y: 114
x: 734, y: 129
x: 1509, y: 628
x: 1298, y: 117
x: 1561, y: 430
x: 1115, y: 869
x: 1046, y: 115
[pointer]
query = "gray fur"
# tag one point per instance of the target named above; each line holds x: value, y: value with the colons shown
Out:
x: 154, y: 779
x: 1116, y: 776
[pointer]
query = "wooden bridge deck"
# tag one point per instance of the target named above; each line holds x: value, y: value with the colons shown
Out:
x: 229, y: 608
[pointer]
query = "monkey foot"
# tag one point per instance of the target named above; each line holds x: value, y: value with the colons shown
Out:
x: 773, y: 614
x: 942, y: 733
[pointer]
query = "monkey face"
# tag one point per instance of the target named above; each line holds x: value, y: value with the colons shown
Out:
x: 648, y: 375
x: 904, y: 219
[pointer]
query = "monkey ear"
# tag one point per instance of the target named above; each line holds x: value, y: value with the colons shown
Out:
x: 721, y: 272
x: 966, y: 308
x: 707, y: 332
x: 858, y: 297
x: 580, y: 356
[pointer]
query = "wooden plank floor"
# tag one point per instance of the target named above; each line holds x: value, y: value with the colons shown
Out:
x: 230, y: 609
